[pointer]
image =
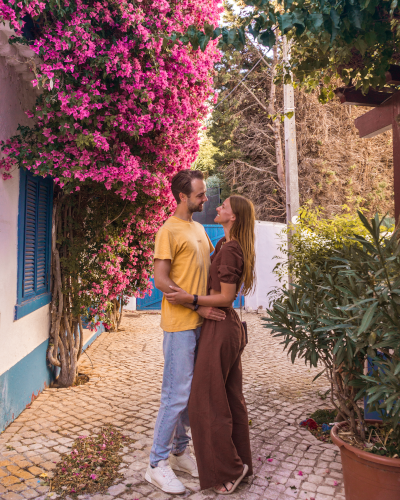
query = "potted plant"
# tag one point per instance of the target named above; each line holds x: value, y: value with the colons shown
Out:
x: 342, y: 310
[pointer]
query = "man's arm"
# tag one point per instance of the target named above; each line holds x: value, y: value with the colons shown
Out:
x: 162, y: 281
x: 162, y: 269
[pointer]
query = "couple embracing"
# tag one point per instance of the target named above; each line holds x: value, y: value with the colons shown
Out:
x: 203, y: 342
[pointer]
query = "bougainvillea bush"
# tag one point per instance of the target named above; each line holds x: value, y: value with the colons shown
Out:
x: 121, y: 105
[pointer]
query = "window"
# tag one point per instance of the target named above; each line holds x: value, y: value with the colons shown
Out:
x: 34, y: 243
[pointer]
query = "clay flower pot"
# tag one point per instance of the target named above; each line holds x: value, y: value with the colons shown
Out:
x: 367, y: 476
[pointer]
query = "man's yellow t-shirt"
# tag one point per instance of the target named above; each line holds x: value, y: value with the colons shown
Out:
x: 188, y: 247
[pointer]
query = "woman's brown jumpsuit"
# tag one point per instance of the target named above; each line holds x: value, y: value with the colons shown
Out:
x: 217, y: 409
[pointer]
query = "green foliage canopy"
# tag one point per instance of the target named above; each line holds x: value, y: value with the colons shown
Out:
x: 355, y: 39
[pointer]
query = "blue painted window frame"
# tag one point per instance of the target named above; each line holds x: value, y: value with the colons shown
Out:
x: 38, y: 296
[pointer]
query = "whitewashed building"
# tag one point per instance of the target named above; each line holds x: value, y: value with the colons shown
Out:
x: 25, y: 242
x: 25, y: 222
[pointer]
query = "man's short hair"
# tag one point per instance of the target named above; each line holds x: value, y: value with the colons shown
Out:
x: 182, y: 182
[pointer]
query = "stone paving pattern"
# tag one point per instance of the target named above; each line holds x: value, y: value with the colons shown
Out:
x: 125, y: 370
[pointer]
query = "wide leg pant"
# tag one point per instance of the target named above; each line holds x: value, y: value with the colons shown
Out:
x: 217, y: 409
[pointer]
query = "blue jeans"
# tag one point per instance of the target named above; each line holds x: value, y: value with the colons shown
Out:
x: 172, y: 425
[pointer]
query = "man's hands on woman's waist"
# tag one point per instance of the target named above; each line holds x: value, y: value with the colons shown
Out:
x: 179, y: 297
x: 211, y: 313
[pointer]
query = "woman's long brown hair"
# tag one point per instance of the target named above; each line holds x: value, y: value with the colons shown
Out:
x: 243, y: 232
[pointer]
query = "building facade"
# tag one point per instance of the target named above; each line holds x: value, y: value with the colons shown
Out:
x: 25, y: 235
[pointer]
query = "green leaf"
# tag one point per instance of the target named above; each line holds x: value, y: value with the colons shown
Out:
x: 241, y: 36
x: 335, y: 24
x: 356, y: 17
x: 361, y: 45
x: 315, y: 21
x: 231, y: 36
x: 267, y: 38
x: 318, y: 375
x: 204, y: 39
x: 370, y: 38
x: 368, y: 318
x: 298, y: 18
x: 286, y: 22
x: 208, y: 29
x: 217, y: 33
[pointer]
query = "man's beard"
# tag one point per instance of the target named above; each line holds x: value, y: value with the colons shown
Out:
x: 192, y: 207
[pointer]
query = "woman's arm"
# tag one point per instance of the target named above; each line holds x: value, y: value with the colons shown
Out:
x: 223, y: 299
x: 162, y: 281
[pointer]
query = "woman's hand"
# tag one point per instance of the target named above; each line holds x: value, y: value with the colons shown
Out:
x: 178, y: 296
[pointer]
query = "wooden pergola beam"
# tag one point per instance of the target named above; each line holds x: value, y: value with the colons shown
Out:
x: 374, y: 122
x: 378, y: 120
x: 355, y: 97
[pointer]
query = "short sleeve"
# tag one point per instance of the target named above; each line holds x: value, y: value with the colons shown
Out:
x: 210, y: 244
x: 165, y: 246
x: 230, y: 267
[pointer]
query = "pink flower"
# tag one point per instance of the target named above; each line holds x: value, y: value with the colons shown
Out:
x: 127, y: 124
x: 335, y: 483
x: 300, y: 473
x: 269, y: 459
x: 93, y: 476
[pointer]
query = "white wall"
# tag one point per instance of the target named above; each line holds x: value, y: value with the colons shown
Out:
x: 131, y: 305
x: 267, y: 243
x: 17, y: 338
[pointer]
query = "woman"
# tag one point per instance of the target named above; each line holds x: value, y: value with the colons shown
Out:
x: 217, y: 409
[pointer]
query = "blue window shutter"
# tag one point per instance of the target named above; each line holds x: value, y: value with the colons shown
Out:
x: 34, y: 243
x: 29, y: 264
x: 42, y: 239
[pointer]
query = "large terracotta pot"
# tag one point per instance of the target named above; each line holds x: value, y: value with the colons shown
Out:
x: 367, y: 476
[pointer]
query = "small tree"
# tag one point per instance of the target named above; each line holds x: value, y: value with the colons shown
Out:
x: 97, y: 253
x: 343, y: 309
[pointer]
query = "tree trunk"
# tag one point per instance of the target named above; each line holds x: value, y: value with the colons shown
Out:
x: 115, y: 315
x: 66, y: 332
x: 120, y: 312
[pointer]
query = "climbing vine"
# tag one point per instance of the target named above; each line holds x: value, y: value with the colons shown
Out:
x: 119, y: 112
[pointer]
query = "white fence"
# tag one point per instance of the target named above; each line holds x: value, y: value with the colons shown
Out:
x: 267, y: 243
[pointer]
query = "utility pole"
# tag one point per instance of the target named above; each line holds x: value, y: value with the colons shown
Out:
x: 291, y: 168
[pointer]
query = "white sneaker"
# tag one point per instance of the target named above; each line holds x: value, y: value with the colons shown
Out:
x: 164, y: 478
x: 184, y: 463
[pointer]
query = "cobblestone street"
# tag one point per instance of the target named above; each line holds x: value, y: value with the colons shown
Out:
x: 125, y: 370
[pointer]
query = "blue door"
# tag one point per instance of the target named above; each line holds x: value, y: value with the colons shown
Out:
x: 215, y: 233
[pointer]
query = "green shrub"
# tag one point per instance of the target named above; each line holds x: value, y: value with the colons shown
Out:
x: 343, y: 307
x: 314, y: 240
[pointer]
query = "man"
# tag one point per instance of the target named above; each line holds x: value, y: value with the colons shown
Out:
x: 181, y: 258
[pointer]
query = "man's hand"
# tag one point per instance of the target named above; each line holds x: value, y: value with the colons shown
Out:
x: 211, y: 313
